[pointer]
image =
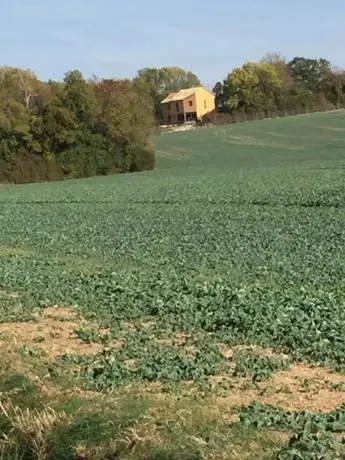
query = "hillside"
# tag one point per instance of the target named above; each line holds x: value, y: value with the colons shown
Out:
x: 272, y: 142
x: 204, y: 286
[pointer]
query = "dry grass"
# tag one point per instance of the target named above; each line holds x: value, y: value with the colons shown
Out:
x: 33, y: 427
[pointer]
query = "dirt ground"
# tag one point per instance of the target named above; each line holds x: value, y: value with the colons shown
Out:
x: 301, y: 387
x: 53, y: 333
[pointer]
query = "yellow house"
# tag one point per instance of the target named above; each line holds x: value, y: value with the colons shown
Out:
x: 187, y: 105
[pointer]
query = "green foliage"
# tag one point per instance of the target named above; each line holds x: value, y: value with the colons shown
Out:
x: 313, y: 431
x: 14, y: 308
x: 338, y: 386
x: 262, y: 416
x: 172, y: 453
x: 26, y: 352
x: 259, y: 366
x: 92, y: 335
x: 20, y: 85
x: 20, y: 391
x: 312, y: 447
x: 246, y: 245
x: 126, y: 120
x: 80, y: 98
x: 143, y: 359
x: 274, y: 85
x: 88, y: 429
x: 309, y: 72
x: 255, y: 85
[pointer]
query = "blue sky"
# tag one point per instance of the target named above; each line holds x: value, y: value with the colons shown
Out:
x: 113, y: 38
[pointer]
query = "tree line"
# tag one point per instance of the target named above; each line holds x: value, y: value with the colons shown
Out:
x: 79, y: 128
x: 276, y: 85
x: 74, y: 128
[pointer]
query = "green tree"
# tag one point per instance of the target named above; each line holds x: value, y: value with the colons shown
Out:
x: 309, y: 72
x: 47, y: 92
x: 58, y: 128
x: 15, y: 129
x: 76, y: 128
x: 127, y: 121
x: 219, y: 92
x: 79, y: 96
x: 286, y: 98
x: 254, y: 86
x: 333, y: 87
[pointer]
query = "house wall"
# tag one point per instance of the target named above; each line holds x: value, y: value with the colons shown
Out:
x: 205, y: 102
x: 189, y: 104
x: 201, y: 101
x: 172, y: 109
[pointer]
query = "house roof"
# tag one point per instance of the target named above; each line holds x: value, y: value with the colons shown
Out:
x: 182, y: 94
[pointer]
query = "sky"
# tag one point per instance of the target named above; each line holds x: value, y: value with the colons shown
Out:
x: 113, y: 38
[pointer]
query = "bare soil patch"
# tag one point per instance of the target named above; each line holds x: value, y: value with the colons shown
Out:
x: 254, y: 349
x: 302, y: 387
x: 53, y: 333
x: 307, y: 388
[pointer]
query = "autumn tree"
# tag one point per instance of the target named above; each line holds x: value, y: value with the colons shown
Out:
x: 286, y: 98
x: 333, y: 87
x: 71, y: 129
x: 21, y: 85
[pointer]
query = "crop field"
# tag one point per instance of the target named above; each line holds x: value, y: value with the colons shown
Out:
x: 193, y: 312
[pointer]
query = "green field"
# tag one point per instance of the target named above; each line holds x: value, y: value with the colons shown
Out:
x: 200, y: 308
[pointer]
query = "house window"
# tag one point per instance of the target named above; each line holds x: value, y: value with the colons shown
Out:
x: 177, y: 109
x: 205, y: 105
x: 169, y: 119
x: 190, y: 103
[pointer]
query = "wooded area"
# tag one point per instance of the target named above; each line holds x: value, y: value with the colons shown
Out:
x: 79, y: 128
x: 72, y: 129
x: 276, y: 85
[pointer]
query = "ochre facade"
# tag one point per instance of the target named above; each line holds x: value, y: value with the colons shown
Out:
x: 187, y: 105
